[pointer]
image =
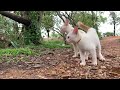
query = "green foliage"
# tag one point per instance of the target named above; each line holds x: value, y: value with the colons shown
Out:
x: 50, y: 44
x: 15, y: 44
x: 83, y: 17
x: 7, y: 30
x: 47, y: 20
x: 32, y: 34
x: 55, y: 34
x: 88, y: 18
x: 5, y: 24
x: 14, y: 52
x: 99, y: 35
x: 108, y: 34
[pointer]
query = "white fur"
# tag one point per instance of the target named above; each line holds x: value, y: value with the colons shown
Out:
x: 88, y: 44
x: 68, y: 28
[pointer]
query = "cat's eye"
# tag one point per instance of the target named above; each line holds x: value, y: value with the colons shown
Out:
x: 68, y: 37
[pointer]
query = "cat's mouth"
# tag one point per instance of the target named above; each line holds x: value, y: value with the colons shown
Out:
x: 62, y: 31
x: 69, y: 40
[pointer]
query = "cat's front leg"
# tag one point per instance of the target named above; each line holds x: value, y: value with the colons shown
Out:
x: 78, y: 52
x: 86, y: 55
x: 75, y: 50
x: 82, y: 58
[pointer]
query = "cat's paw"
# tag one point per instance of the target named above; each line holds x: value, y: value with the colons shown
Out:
x: 94, y: 63
x: 74, y: 56
x: 82, y: 63
x: 78, y: 53
x: 102, y: 58
x: 86, y: 58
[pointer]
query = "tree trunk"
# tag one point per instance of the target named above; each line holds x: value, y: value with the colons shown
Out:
x: 15, y: 18
x: 114, y: 29
x: 48, y: 34
x: 94, y: 19
x: 114, y: 25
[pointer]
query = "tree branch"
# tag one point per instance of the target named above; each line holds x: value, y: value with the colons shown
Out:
x: 57, y: 31
x: 70, y: 18
x: 15, y: 18
x: 58, y: 13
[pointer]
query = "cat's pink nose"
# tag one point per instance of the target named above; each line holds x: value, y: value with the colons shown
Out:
x: 68, y: 40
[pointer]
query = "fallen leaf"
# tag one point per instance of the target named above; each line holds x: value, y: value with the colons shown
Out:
x: 102, y: 67
x: 48, y: 58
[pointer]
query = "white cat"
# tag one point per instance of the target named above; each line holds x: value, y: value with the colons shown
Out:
x: 87, y: 43
x: 66, y: 28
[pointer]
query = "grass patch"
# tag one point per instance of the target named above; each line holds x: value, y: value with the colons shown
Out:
x: 16, y: 51
x: 23, y: 54
x: 49, y: 44
x: 31, y: 49
x: 54, y: 44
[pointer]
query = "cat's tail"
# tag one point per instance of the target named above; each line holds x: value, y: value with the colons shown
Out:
x: 83, y: 26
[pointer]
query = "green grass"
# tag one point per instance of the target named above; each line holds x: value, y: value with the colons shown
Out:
x: 15, y: 54
x: 16, y: 51
x: 31, y: 49
x: 54, y: 44
x: 50, y: 44
x: 23, y: 54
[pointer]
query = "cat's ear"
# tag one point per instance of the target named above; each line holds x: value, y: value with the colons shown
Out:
x: 75, y: 31
x: 66, y: 22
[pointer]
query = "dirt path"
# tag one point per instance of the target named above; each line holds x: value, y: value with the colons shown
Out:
x: 58, y: 63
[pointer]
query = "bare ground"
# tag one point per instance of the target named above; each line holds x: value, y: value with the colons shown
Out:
x: 59, y: 64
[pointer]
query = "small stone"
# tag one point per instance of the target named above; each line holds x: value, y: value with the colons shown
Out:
x: 103, y: 67
x: 58, y: 54
x: 100, y: 71
x: 94, y: 68
x: 48, y: 58
x: 37, y: 65
x: 11, y: 77
x: 77, y: 59
x: 53, y: 72
x: 53, y: 62
x: 66, y: 55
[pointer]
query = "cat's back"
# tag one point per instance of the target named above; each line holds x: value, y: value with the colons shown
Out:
x: 92, y: 34
x: 82, y: 33
x: 91, y: 31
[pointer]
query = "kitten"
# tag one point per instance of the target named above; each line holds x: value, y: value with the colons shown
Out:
x: 86, y: 29
x: 66, y: 28
x: 87, y: 43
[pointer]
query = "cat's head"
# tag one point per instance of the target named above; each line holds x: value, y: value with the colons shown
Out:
x: 66, y: 27
x: 73, y: 36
